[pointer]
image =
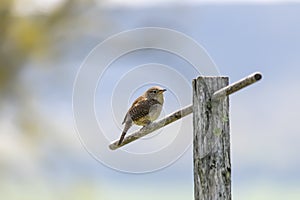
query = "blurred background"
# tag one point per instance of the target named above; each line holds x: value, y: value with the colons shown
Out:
x: 42, y: 45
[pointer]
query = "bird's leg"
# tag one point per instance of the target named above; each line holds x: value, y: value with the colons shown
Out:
x: 148, y: 122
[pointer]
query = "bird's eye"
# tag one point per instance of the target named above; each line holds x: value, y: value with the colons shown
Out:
x: 154, y: 91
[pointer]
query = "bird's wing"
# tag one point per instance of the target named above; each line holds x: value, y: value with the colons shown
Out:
x: 134, y: 105
x: 141, y: 107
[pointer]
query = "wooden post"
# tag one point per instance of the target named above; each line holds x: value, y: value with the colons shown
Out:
x: 212, y: 167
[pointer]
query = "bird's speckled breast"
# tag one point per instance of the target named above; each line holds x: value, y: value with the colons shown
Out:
x: 155, y: 111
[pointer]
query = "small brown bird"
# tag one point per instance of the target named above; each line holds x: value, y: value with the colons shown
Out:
x: 144, y: 109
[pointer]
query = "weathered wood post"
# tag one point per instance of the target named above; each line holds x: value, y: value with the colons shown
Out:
x: 212, y: 167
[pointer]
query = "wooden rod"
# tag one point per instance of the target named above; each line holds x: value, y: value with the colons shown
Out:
x: 234, y: 87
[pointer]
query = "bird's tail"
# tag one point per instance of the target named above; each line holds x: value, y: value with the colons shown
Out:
x: 128, y: 124
x: 122, y: 138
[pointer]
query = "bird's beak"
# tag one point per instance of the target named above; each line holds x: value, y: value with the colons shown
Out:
x: 162, y: 90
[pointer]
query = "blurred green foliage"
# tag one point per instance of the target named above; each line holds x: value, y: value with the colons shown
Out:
x: 20, y: 37
x: 31, y: 36
x: 25, y: 39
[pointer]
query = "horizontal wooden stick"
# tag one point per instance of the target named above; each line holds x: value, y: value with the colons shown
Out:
x: 234, y: 87
x: 153, y: 127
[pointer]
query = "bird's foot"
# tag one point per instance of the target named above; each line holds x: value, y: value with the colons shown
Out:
x: 144, y: 127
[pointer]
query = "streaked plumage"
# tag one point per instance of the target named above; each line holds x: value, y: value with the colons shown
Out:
x: 144, y: 109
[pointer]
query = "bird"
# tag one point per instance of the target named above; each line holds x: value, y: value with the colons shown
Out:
x: 144, y: 110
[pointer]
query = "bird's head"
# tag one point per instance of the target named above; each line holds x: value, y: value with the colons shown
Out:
x: 155, y: 93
